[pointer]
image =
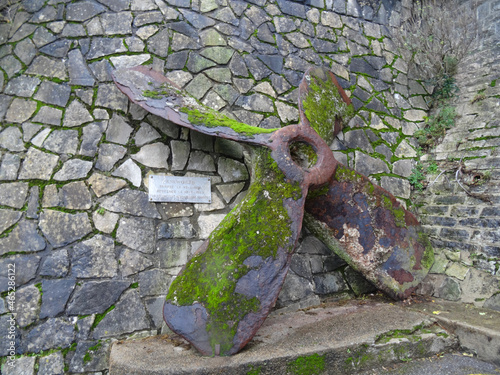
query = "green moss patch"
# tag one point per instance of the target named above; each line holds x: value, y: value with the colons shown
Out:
x: 323, y: 105
x: 307, y: 365
x: 213, y: 119
x: 428, y: 257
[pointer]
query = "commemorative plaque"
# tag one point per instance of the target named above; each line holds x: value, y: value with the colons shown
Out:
x: 179, y: 189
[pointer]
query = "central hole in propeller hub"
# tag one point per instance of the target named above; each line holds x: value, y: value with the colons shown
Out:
x: 303, y: 154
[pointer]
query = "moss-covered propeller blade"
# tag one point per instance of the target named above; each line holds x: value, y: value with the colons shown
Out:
x: 158, y: 95
x: 358, y: 220
x: 225, y: 292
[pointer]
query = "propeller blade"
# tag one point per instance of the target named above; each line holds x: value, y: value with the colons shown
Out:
x: 358, y: 220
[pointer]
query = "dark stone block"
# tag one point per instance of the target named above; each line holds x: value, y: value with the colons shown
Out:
x: 265, y: 34
x: 492, y: 251
x: 491, y: 211
x: 455, y: 234
x: 90, y: 356
x: 55, y: 295
x: 360, y: 65
x: 466, y: 211
x: 292, y: 77
x: 58, y: 48
x: 177, y: 60
x: 56, y: 264
x: 435, y: 210
x: 184, y: 28
x: 324, y: 46
x: 53, y: 93
x: 78, y: 71
x: 333, y: 262
x: 376, y: 105
x: 54, y: 333
x: 356, y: 103
x: 329, y: 283
x: 311, y: 245
x: 493, y: 302
x: 376, y: 62
x: 358, y: 284
x: 482, y: 223
x: 439, y: 220
x: 488, y: 236
x: 449, y: 200
x: 94, y: 297
x: 257, y: 68
x: 197, y: 20
x: 292, y: 9
x: 450, y: 290
x: 142, y: 19
x: 275, y: 63
x: 361, y: 94
x: 83, y: 10
x: 263, y: 48
x: 343, y: 83
x: 154, y: 282
x: 128, y: 316
x: 301, y: 266
x: 379, y: 85
x: 5, y: 323
x: 132, y: 202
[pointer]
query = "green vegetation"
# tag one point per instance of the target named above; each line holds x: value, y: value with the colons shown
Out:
x: 398, y: 212
x: 213, y: 119
x: 323, y: 106
x: 254, y: 370
x: 428, y: 257
x: 417, y: 176
x: 432, y: 168
x: 358, y: 358
x: 307, y: 365
x: 88, y: 357
x: 99, y: 317
x: 436, y: 126
x: 434, y: 39
x: 258, y: 226
x: 445, y: 86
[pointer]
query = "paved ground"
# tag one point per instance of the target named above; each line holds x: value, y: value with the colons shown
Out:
x: 338, y: 338
x: 448, y: 364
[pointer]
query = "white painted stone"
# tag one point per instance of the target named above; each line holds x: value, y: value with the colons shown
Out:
x: 130, y: 171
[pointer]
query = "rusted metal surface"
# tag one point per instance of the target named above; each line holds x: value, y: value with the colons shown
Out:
x: 226, y: 290
x: 364, y: 224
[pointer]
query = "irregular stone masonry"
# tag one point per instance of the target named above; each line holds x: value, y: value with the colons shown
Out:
x: 464, y: 225
x: 93, y: 257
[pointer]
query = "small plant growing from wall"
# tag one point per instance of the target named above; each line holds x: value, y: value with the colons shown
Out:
x: 436, y: 126
x: 434, y: 40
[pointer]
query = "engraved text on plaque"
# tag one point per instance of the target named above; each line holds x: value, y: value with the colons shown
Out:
x: 179, y: 189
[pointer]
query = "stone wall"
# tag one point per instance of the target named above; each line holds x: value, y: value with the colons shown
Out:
x: 93, y: 258
x: 460, y: 208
